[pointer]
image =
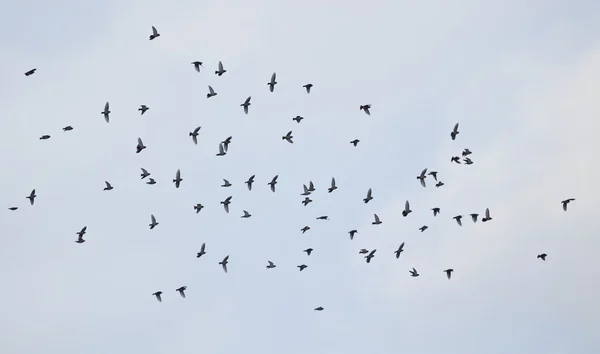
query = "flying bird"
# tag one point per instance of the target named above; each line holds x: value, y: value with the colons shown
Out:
x: 181, y: 291
x: 439, y: 184
x: 423, y: 228
x: 466, y: 152
x: 45, y: 137
x: 369, y: 196
x: 226, y: 183
x: 158, y: 294
x: 542, y: 256
x: 13, y: 208
x: 246, y: 104
x: 288, y: 137
x: 468, y: 161
x: 143, y: 108
x: 211, y: 92
x: 80, y: 235
x: 422, y: 177
x: 352, y: 233
x: 320, y: 308
x: 250, y: 181
x: 177, y: 179
x: 454, y: 132
x: 324, y: 217
x: 433, y: 174
x: 436, y: 211
x: 306, y: 201
x: 302, y: 267
x: 306, y: 191
x: 273, y: 183
x: 311, y: 186
x: 194, y: 135
x: 226, y: 143
x: 106, y: 112
x: 449, y: 272
x: 151, y: 181
x: 154, y: 33
x: 413, y: 272
x: 487, y: 215
x: 366, y: 108
x: 370, y: 256
x: 272, y: 83
x: 406, y: 210
x: 145, y: 173
x: 198, y: 207
x: 221, y: 150
x: 333, y: 186
x: 474, y: 217
x: 455, y: 159
x: 377, y: 221
x: 202, y: 250
x: 226, y: 203
x: 67, y: 128
x: 224, y: 263
x: 308, y: 87
x: 565, y: 202
x: 355, y: 142
x: 363, y: 251
x: 197, y: 65
x: 153, y: 222
x: 298, y: 119
x: 140, y: 146
x: 458, y: 218
x: 31, y: 197
x: 221, y: 71
x: 246, y: 214
x: 108, y: 186
x: 271, y: 265
x: 308, y: 251
x: 30, y: 72
x: 399, y: 250
x: 304, y: 229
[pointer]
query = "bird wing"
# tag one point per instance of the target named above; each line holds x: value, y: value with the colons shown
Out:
x: 107, y: 184
x: 270, y: 263
x: 247, y: 100
x: 224, y: 265
x: 154, y: 31
x: 369, y: 193
x: 228, y: 199
x: 196, y: 130
x: 178, y: 174
x: 144, y: 171
x: 203, y: 247
x: 311, y: 185
x: 221, y: 149
x: 455, y: 128
x: 220, y: 66
x: 153, y: 219
x: 487, y: 213
x: 423, y: 173
x: 274, y: 179
x: 305, y: 188
x: 158, y: 297
x: 210, y: 89
x: 273, y: 78
x: 366, y: 109
x: 226, y: 206
x: 376, y: 217
x: 195, y: 139
x: 459, y: 221
x: 423, y: 182
x: 407, y: 206
x: 140, y: 143
x: 401, y: 246
x: 288, y: 135
x: 32, y: 194
x: 106, y: 106
x: 332, y: 182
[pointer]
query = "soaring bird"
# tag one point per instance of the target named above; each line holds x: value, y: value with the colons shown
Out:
x: 565, y: 202
x: 454, y: 132
x: 433, y: 174
x: 226, y: 183
x: 177, y: 179
x: 369, y: 196
x: 194, y: 135
x: 352, y: 233
x: 308, y: 251
x: 106, y: 112
x: 333, y: 186
x: 13, y: 208
x: 198, y: 207
x: 487, y: 215
x: 68, y: 128
x: 31, y: 197
x: 436, y: 211
x: 311, y: 186
x: 308, y: 87
x: 305, y: 228
x: 158, y: 294
x: 355, y: 142
x: 226, y: 143
x: 272, y: 83
x: 140, y: 146
x: 246, y: 214
x: 145, y: 173
x: 363, y: 251
x: 211, y: 92
x: 224, y: 263
x: 154, y: 33
x: 366, y: 108
x: 399, y: 250
x: 320, y: 308
x: 468, y: 161
x: 455, y: 159
x: 288, y: 137
x: 221, y: 71
x: 474, y: 217
x: 181, y: 291
x: 306, y: 201
x: 197, y: 65
x: 422, y: 177
x: 273, y: 183
x: 80, y: 235
x: 30, y: 72
x: 271, y: 265
x: 221, y: 150
x: 45, y: 137
x: 370, y: 255
x: 250, y: 181
x: 143, y: 108
x: 439, y: 184
x: 246, y: 104
x: 413, y: 272
x: 423, y: 228
x: 298, y: 119
x: 324, y: 217
x: 406, y: 210
x: 153, y: 222
x: 202, y: 250
x: 108, y: 186
x: 302, y: 267
x: 377, y: 221
x: 151, y: 181
x: 449, y: 272
x: 466, y: 152
x: 458, y: 219
x: 542, y: 256
x: 306, y: 191
x: 226, y: 203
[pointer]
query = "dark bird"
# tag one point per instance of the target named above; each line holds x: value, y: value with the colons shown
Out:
x: 399, y: 250
x: 246, y: 214
x: 468, y: 161
x: 250, y: 181
x: 455, y: 159
x: 298, y: 119
x: 226, y: 143
x: 151, y: 181
x: 433, y: 174
x: 311, y: 186
x: 226, y: 203
x: 333, y: 186
x: 308, y: 87
x: 370, y: 255
x: 194, y: 135
x: 140, y: 146
x: 457, y: 218
x: 106, y: 112
x: 81, y: 233
x: 224, y: 263
x: 377, y: 221
x: 352, y: 233
x: 304, y: 229
x: 423, y: 228
x: 143, y: 108
x: 324, y: 217
x: 177, y: 179
x: 68, y: 128
x: 306, y: 201
x: 271, y: 265
x: 154, y: 33
x: 487, y: 215
x: 406, y: 210
x: 211, y: 92
x: 369, y: 196
x: 226, y: 183
x: 273, y: 183
x: 158, y: 294
x: 145, y: 173
x: 542, y: 256
x: 153, y: 222
x: 366, y: 108
x: 306, y: 191
x: 454, y: 132
x: 439, y: 184
x: 108, y: 186
x: 363, y: 251
x: 202, y: 250
x: 302, y: 267
x: 474, y: 217
x: 449, y: 273
x: 436, y: 211
x: 288, y: 137
x: 355, y: 142
x: 181, y: 291
x: 308, y: 251
x: 80, y: 239
x: 45, y: 137
x: 31, y: 197
x: 197, y: 65
x: 246, y: 104
x: 413, y: 273
x: 466, y: 152
x: 320, y: 308
x: 221, y: 71
x: 30, y: 72
x: 565, y: 202
x: 13, y: 208
x: 221, y: 150
x: 272, y: 83
x: 422, y: 177
x: 198, y: 207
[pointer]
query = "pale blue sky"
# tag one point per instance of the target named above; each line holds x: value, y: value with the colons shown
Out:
x: 521, y: 77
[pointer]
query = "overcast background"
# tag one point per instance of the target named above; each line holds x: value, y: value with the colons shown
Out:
x: 521, y: 77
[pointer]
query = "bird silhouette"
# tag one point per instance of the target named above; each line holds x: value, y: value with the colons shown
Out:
x: 246, y: 214
x: 226, y: 203
x: 30, y: 72
x: 106, y: 112
x: 302, y: 267
x: 369, y: 196
x: 220, y: 71
x: 224, y: 263
x: 249, y: 182
x: 542, y: 256
x: 366, y: 108
x: 246, y: 104
x: 31, y: 197
x: 399, y: 250
x: 158, y: 294
x: 288, y: 137
x: 272, y: 83
x: 202, y: 250
x: 333, y: 186
x: 487, y: 215
x: 566, y: 202
x: 413, y: 273
x: 181, y: 291
x: 140, y: 146
x: 211, y: 92
x: 197, y: 65
x: 355, y: 142
x: 377, y: 221
x: 271, y: 265
x: 154, y: 34
x: 449, y: 272
x: 308, y: 251
x: 194, y: 135
x: 454, y: 132
x: 352, y: 233
x: 406, y: 210
x: 422, y: 177
x: 308, y: 87
x: 273, y: 183
x: 177, y: 179
x: 143, y: 108
x: 108, y: 186
x: 153, y: 222
x: 370, y: 256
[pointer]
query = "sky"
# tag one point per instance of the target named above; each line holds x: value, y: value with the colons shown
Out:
x: 521, y: 78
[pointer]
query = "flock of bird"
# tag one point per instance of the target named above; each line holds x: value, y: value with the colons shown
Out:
x: 307, y: 190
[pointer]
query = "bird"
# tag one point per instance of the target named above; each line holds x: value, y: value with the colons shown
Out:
x: 82, y: 232
x: 454, y: 132
x: 158, y: 294
x: 226, y: 143
x: 439, y: 184
x: 305, y: 228
x: 306, y: 191
x: 13, y: 208
x: 433, y: 174
x: 377, y: 221
x: 246, y: 214
x: 45, y: 137
x: 565, y: 202
x: 406, y: 210
x: 306, y: 201
x: 145, y: 173
x: 140, y: 146
x: 352, y: 233
x: 487, y: 215
x: 67, y: 128
x: 177, y: 179
x: 224, y: 263
x: 181, y: 291
x: 457, y: 218
x: 202, y: 250
x: 246, y: 104
x: 363, y: 251
x: 194, y: 135
x: 366, y: 108
x: 226, y: 183
x: 413, y: 272
x: 399, y: 250
x: 468, y: 161
x: 108, y: 186
x: 198, y: 207
x: 474, y: 217
x: 197, y: 65
x: 333, y: 186
x: 288, y: 137
x: 226, y: 203
x: 272, y: 83
x: 542, y: 256
x: 370, y: 255
x: 311, y: 186
x: 153, y: 222
x: 154, y: 33
x: 298, y: 119
x: 308, y: 251
x: 151, y: 181
x: 466, y: 152
x: 302, y: 267
x: 455, y: 159
x: 308, y: 87
x: 211, y: 92
x: 449, y: 272
x: 320, y: 308
x: 106, y: 112
x: 143, y: 108
x: 221, y: 71
x: 324, y: 217
x: 31, y: 197
x: 80, y: 239
x: 436, y: 211
x: 30, y: 72
x: 423, y: 228
x: 271, y: 265
x: 221, y: 150
x: 250, y: 181
x: 273, y: 183
x: 355, y: 142
x: 422, y: 177
x: 369, y: 196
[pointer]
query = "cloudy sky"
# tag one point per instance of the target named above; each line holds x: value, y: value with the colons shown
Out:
x: 521, y: 77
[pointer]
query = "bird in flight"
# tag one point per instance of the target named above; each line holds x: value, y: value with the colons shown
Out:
x: 458, y: 219
x: 406, y: 210
x: 306, y: 191
x: 211, y: 92
x: 271, y: 265
x: 202, y: 250
x: 143, y: 108
x: 288, y: 137
x: 298, y: 119
x: 413, y: 272
x: 377, y: 221
x: 487, y: 215
x: 468, y: 161
x: 369, y: 196
x: 363, y: 251
x: 153, y: 222
x: 320, y: 308
x: 198, y: 207
x: 302, y: 267
x: 140, y: 146
x: 439, y: 184
x: 106, y: 112
x: 308, y: 251
x: 181, y: 291
x: 352, y: 233
x: 355, y: 142
x: 474, y: 217
x: 224, y: 263
x: 324, y: 217
x: 565, y: 202
x: 226, y: 203
x: 80, y: 235
x: 366, y: 108
x: 246, y: 104
x: 108, y: 186
x: 226, y: 183
x: 145, y: 173
x: 151, y: 181
x: 194, y: 135
x: 306, y: 201
x: 221, y: 71
x: 455, y: 159
x: 423, y: 228
x: 273, y: 183
x: 370, y: 256
x: 246, y: 214
x: 45, y: 137
x: 197, y: 65
x: 333, y: 186
x: 13, y: 208
x: 177, y: 179
x: 466, y: 152
x: 154, y: 33
x: 399, y: 250
x: 272, y: 83
x: 226, y: 143
x: 449, y: 272
x: 542, y: 256
x: 308, y: 87
x: 250, y: 181
x: 31, y: 197
x: 221, y: 150
x: 454, y: 132
x: 68, y: 128
x: 158, y: 294
x: 304, y: 229
x: 30, y: 72
x: 433, y: 174
x: 436, y: 211
x: 422, y: 177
